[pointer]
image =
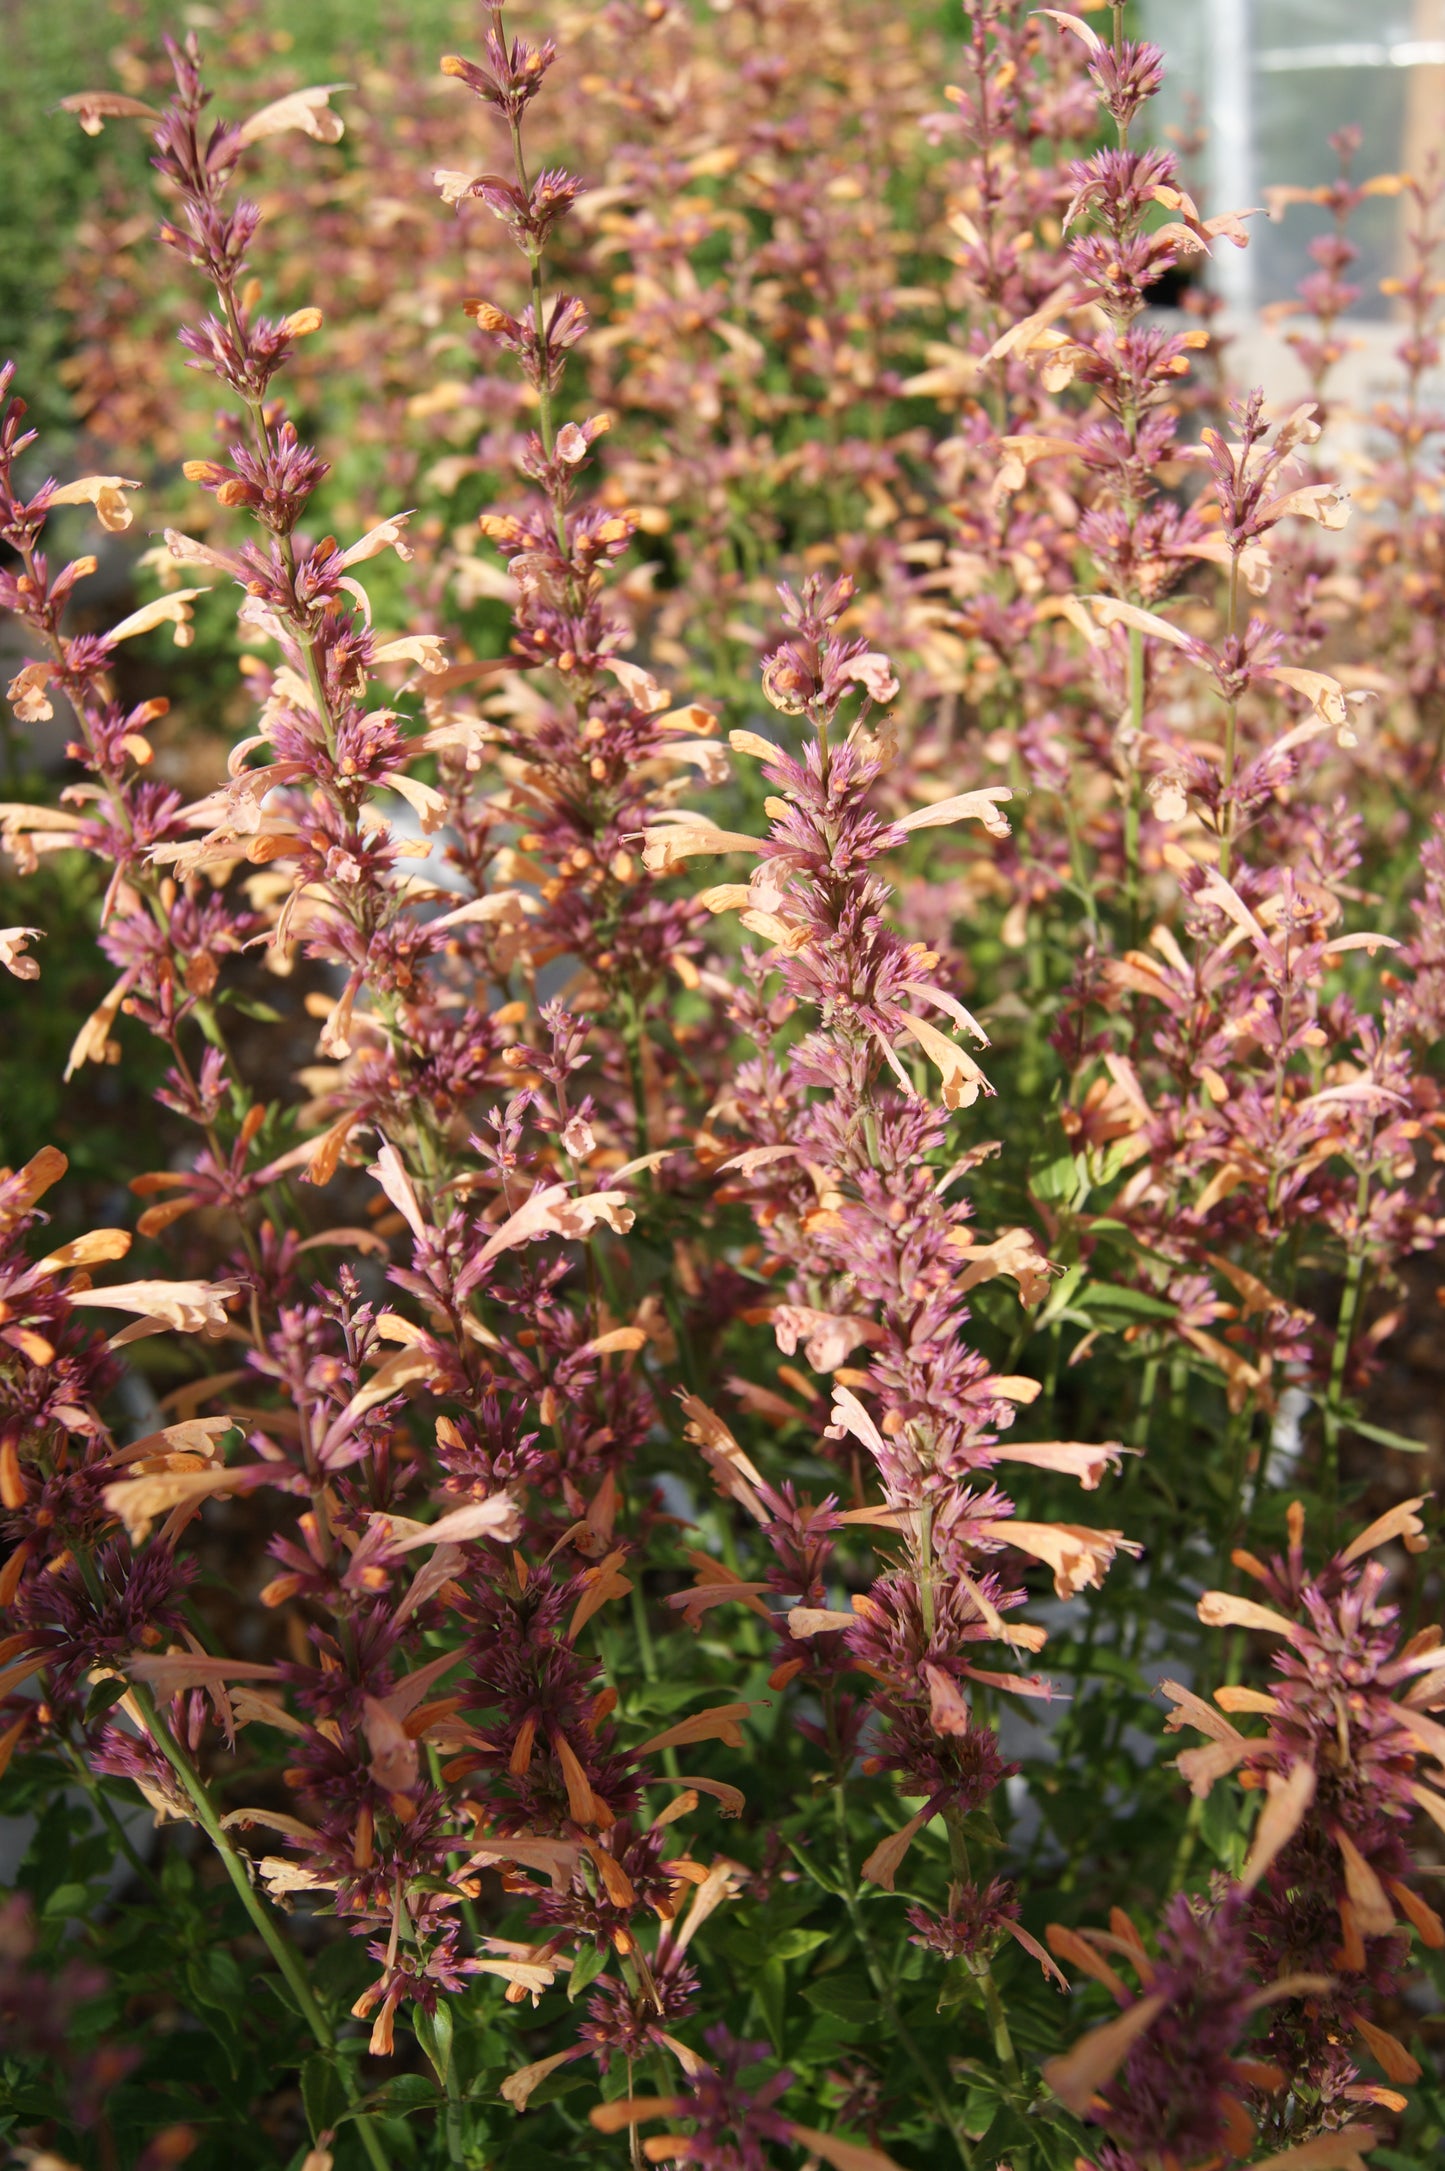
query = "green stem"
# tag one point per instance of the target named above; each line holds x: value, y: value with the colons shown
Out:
x: 284, y: 1955
x: 998, y: 2022
x: 634, y: 2136
x: 647, y: 1652
x: 1339, y: 1361
x: 877, y: 1975
x: 1078, y: 865
x: 1345, y: 1330
x: 285, y: 1958
x: 455, y: 1862
x: 456, y: 2140
x: 1226, y: 818
x: 105, y: 1810
x: 980, y: 1970
x: 925, y: 1565
x: 546, y: 424
x: 1145, y: 1411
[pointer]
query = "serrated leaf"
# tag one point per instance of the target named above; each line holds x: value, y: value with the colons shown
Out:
x: 958, y: 1988
x: 323, y: 2095
x: 215, y: 1991
x: 1056, y: 1180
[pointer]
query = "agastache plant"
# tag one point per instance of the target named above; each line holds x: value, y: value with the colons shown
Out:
x: 1347, y: 1722
x: 880, y: 1261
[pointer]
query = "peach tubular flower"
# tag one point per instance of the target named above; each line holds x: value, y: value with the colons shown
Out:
x: 13, y: 944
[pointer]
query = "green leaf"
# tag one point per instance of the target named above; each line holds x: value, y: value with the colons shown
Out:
x: 339, y: 1971
x: 1055, y: 1181
x: 585, y: 1969
x: 275, y: 1987
x: 177, y: 1878
x: 1006, y: 2132
x: 795, y: 1944
x: 958, y: 1988
x: 68, y: 1899
x: 1133, y: 1303
x: 843, y: 1997
x: 434, y: 2033
x: 1220, y: 1829
x: 250, y: 1007
x: 322, y: 2094
x: 810, y: 1868
x: 1116, y: 1156
x: 981, y: 2100
x: 102, y: 1696
x: 409, y: 2092
x: 1061, y: 1296
x: 217, y: 1981
x: 217, y: 1992
x: 663, y: 1697
x: 770, y: 1986
x: 1386, y: 1438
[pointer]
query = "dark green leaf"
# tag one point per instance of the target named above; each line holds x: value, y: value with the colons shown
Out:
x: 323, y: 2094
x: 585, y: 1969
x: 102, y: 1696
x: 796, y: 1944
x: 845, y: 1995
x: 409, y: 2092
x: 434, y: 2033
x: 770, y: 1986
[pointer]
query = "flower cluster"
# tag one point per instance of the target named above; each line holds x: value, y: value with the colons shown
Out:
x: 1347, y: 1724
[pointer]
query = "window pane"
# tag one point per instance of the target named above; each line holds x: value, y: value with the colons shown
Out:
x: 1271, y: 81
